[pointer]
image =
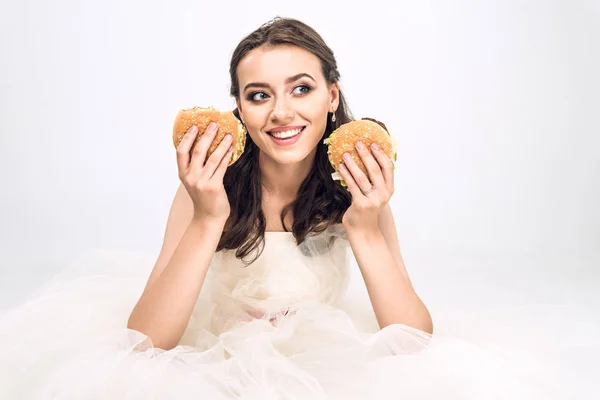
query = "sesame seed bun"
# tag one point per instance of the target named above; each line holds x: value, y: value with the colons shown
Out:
x: 343, y: 140
x: 202, y: 117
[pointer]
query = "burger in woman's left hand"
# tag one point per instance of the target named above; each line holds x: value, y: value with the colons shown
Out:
x: 371, y: 193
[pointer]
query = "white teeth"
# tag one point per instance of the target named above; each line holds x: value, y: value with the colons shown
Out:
x: 286, y: 134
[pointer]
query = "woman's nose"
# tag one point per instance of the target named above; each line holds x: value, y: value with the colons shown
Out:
x: 282, y: 111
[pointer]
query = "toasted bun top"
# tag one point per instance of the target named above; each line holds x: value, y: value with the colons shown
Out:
x: 202, y: 117
x: 344, y: 138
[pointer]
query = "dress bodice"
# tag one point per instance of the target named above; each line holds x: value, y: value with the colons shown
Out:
x: 283, y: 276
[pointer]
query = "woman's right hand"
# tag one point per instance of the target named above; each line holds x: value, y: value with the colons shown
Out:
x: 203, y: 179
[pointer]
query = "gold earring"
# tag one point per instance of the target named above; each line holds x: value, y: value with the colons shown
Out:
x: 333, y: 116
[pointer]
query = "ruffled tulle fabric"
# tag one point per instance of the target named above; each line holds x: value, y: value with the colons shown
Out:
x: 285, y: 327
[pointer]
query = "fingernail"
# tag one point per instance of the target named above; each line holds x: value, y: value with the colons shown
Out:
x: 360, y: 146
x: 374, y: 146
x: 346, y: 157
x: 194, y: 129
x: 212, y: 127
x: 227, y: 138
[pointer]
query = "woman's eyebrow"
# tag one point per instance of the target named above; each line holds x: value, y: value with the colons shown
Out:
x: 288, y: 80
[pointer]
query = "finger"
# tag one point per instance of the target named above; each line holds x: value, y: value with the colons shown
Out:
x: 359, y: 177
x: 222, y: 168
x: 387, y: 167
x: 201, y: 149
x: 183, y: 148
x: 215, y: 158
x: 350, y: 182
x: 371, y: 164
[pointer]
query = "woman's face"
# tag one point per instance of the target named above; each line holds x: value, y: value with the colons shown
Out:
x: 282, y: 88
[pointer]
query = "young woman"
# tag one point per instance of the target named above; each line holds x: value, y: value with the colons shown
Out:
x: 284, y: 79
x: 248, y: 297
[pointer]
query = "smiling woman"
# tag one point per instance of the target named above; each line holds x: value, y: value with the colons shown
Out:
x: 287, y: 91
x: 207, y: 321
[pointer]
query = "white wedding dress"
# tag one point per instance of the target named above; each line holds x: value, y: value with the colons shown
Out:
x: 284, y: 327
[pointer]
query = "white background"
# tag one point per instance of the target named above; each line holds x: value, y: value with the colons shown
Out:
x: 495, y: 105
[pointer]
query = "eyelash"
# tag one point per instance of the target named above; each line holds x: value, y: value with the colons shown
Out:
x: 250, y: 97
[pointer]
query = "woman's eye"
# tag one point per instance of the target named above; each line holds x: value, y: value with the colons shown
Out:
x: 253, y: 96
x: 303, y: 87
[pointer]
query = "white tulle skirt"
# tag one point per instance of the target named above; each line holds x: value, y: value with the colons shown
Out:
x: 70, y: 341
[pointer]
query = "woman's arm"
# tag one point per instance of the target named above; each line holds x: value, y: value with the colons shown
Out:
x: 166, y: 304
x: 164, y: 309
x: 392, y: 295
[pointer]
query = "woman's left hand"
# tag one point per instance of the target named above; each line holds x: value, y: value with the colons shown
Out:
x: 364, y: 211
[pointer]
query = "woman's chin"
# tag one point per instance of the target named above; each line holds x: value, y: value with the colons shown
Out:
x: 288, y: 157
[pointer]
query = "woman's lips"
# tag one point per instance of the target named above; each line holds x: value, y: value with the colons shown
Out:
x: 289, y: 141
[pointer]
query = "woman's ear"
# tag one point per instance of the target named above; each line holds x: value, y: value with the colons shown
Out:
x: 334, y: 94
x: 239, y: 108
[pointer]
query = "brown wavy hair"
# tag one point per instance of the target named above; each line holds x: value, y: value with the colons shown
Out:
x: 321, y: 201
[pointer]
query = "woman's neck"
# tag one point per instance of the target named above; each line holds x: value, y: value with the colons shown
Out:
x: 282, y: 181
